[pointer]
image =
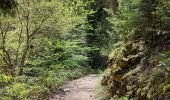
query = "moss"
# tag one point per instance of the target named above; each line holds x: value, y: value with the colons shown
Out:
x: 138, y: 73
x: 166, y: 88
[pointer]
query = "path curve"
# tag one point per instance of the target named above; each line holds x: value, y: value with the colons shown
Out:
x: 80, y: 89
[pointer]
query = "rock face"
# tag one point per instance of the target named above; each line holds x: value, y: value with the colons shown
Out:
x: 139, y: 72
x: 120, y: 67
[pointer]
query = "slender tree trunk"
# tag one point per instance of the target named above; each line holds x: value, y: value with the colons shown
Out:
x: 24, y: 56
x: 21, y: 68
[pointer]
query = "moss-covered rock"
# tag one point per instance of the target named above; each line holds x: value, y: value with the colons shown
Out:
x: 138, y: 73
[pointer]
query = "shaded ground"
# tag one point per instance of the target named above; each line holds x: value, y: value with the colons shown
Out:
x: 80, y: 89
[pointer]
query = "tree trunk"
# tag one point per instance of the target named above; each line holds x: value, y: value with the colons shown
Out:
x: 114, y: 5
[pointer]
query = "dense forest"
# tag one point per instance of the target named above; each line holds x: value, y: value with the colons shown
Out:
x: 45, y: 43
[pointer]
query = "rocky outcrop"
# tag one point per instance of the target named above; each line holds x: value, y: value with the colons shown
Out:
x: 120, y: 65
x: 139, y: 71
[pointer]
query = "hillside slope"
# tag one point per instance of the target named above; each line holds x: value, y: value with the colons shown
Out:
x: 140, y: 71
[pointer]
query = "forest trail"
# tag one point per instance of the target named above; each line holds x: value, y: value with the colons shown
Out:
x: 80, y: 89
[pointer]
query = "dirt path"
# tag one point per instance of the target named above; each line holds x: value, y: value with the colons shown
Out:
x: 80, y: 89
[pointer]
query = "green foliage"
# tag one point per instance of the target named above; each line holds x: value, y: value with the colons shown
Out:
x: 18, y: 91
x: 100, y: 34
x: 164, y: 59
x: 5, y: 80
x: 45, y: 41
x: 7, y: 7
x: 141, y: 18
x: 124, y: 98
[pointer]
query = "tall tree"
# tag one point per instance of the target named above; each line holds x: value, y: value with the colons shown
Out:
x: 99, y: 34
